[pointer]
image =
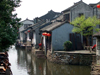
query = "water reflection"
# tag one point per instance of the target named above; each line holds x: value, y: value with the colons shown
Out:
x: 18, y: 62
x: 23, y: 63
x: 38, y: 66
x: 56, y: 69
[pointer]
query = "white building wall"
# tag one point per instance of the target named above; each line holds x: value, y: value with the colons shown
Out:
x: 34, y: 39
x: 22, y: 36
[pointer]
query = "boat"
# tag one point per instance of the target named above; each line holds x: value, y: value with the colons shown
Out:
x: 4, y: 64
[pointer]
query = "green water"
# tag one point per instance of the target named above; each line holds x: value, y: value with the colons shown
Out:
x: 24, y: 63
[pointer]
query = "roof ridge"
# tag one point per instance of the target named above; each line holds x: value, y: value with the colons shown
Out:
x: 72, y: 6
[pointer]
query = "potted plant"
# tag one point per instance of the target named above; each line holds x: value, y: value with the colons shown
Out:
x: 67, y: 45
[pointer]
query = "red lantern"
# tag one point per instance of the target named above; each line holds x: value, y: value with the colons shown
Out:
x: 40, y: 44
x: 94, y: 46
x: 98, y: 6
x: 45, y: 34
x: 28, y: 30
x: 48, y: 34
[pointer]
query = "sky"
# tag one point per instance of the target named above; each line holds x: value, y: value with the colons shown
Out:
x: 36, y: 8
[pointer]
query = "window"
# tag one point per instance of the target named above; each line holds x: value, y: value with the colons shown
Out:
x: 26, y: 25
x: 67, y: 17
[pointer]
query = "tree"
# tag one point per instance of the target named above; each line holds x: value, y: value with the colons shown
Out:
x: 86, y: 26
x: 9, y: 23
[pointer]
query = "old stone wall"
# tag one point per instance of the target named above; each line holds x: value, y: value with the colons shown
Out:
x: 81, y: 8
x: 95, y: 69
x: 70, y: 58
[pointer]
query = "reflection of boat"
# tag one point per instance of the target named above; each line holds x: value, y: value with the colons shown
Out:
x: 4, y: 64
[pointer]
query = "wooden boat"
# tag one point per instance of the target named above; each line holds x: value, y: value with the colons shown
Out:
x: 4, y: 64
x: 2, y: 70
x: 4, y: 54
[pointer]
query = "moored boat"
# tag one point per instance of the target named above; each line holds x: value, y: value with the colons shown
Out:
x: 4, y: 64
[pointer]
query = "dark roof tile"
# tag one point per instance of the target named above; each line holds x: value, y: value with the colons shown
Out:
x: 97, y: 34
x: 52, y: 26
x: 75, y: 4
x: 50, y: 15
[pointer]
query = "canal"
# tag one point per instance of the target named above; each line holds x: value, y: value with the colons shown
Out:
x: 23, y: 63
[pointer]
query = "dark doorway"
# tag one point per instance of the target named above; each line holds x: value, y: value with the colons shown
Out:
x: 75, y: 38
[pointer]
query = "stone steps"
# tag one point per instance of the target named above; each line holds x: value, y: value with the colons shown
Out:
x: 29, y: 48
x: 40, y: 56
x: 95, y: 70
x: 39, y: 52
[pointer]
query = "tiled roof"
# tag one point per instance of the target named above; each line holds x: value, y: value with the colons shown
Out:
x: 43, y: 25
x: 97, y: 34
x: 58, y: 18
x: 50, y: 15
x: 52, y: 26
x: 33, y: 26
x: 75, y: 4
x: 27, y: 20
x: 94, y: 5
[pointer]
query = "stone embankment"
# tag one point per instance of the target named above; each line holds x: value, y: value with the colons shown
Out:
x: 38, y: 53
x: 95, y: 69
x: 70, y: 58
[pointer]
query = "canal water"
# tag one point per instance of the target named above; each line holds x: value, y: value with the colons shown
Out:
x: 23, y: 63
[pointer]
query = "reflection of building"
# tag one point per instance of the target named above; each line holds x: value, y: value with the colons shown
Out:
x: 38, y: 66
x: 56, y: 69
x: 28, y: 62
x: 21, y: 58
x: 34, y: 66
x: 24, y: 60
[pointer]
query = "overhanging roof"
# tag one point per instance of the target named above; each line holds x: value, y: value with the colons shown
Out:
x: 97, y: 34
x: 52, y: 26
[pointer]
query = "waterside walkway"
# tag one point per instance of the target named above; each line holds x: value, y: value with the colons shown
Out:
x: 77, y: 52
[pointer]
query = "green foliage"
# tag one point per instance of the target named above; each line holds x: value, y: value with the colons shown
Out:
x: 86, y: 26
x: 67, y: 45
x: 9, y: 23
